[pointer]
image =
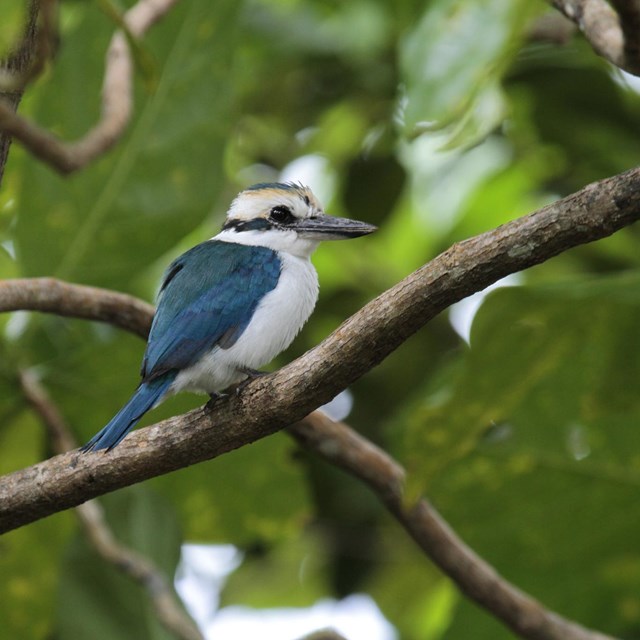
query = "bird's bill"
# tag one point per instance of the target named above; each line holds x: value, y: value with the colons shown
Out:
x: 324, y: 227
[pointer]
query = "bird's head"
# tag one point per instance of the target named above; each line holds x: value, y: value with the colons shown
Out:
x: 285, y: 217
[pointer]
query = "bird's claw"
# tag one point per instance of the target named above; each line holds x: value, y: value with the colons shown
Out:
x: 251, y: 374
x: 213, y: 398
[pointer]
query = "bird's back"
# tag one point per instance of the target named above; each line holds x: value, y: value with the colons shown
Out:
x: 208, y: 296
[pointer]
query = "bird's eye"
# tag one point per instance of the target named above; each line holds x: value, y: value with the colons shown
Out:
x: 281, y: 214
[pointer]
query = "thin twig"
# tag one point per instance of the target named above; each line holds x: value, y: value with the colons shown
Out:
x: 117, y: 101
x: 343, y: 447
x: 93, y: 521
x: 614, y: 35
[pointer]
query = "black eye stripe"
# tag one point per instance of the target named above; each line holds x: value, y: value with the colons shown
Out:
x: 259, y: 224
x: 279, y: 216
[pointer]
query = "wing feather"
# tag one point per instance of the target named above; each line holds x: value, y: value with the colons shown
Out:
x: 207, y: 298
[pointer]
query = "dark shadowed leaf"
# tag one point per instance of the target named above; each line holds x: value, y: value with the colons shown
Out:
x: 531, y: 452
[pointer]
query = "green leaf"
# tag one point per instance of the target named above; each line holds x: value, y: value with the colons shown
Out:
x: 294, y: 570
x: 117, y: 216
x: 530, y: 448
x: 410, y: 591
x: 452, y: 68
x: 255, y: 494
x: 29, y: 556
x: 553, y: 100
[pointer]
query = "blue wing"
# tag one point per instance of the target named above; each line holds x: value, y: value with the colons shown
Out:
x: 208, y: 297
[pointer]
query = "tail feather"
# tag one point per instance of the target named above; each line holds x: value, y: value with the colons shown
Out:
x: 144, y: 398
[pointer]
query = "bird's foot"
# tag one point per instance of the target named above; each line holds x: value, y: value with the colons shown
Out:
x: 213, y: 398
x: 251, y: 374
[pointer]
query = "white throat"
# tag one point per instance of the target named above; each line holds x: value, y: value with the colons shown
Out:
x: 276, y: 239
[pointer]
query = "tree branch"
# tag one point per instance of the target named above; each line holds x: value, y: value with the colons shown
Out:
x: 91, y: 516
x: 343, y: 447
x: 629, y: 15
x: 54, y: 296
x: 117, y: 101
x: 612, y: 31
x: 271, y: 402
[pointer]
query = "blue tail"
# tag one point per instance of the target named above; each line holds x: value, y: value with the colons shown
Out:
x: 146, y: 395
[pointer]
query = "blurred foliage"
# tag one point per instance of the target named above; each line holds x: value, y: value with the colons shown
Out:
x: 94, y: 599
x: 435, y: 120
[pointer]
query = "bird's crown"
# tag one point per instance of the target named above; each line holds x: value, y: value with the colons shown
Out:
x: 270, y: 205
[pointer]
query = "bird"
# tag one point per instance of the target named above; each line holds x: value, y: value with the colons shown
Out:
x: 231, y: 304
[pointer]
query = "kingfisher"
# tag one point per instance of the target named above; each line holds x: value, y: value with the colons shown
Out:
x: 231, y: 304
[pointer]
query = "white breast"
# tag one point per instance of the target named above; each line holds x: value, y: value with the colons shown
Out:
x: 276, y: 322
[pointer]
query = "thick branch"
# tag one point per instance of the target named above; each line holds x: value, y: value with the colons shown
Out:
x: 271, y: 402
x: 614, y: 34
x: 629, y: 14
x: 344, y: 448
x: 117, y: 101
x: 91, y: 516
